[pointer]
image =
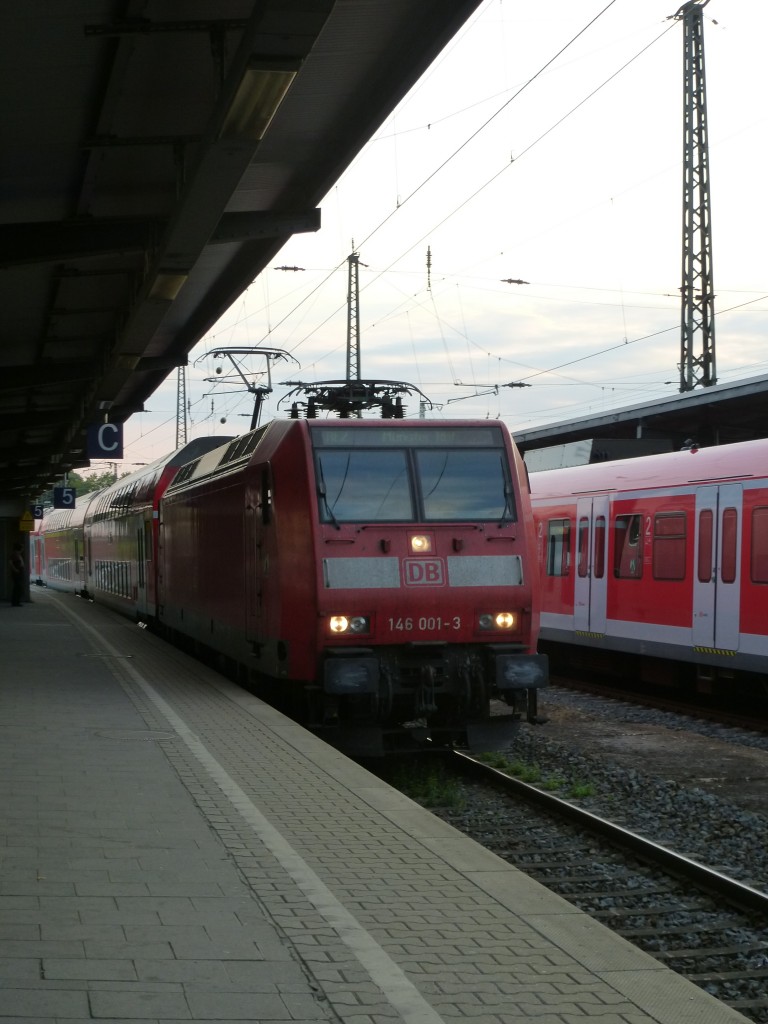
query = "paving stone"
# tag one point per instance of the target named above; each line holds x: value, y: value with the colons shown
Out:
x: 12, y: 968
x: 49, y: 1002
x: 139, y: 1004
x: 213, y: 974
x: 113, y: 970
x: 249, y: 1006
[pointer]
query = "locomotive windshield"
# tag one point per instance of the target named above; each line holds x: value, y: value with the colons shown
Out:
x: 418, y: 475
x: 364, y: 486
x: 463, y: 485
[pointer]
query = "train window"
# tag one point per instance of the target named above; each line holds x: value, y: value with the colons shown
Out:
x: 704, y: 568
x: 669, y: 531
x: 628, y: 547
x: 363, y: 486
x: 599, y: 557
x: 383, y: 435
x: 728, y: 568
x: 464, y: 485
x: 558, y: 547
x: 583, y: 543
x: 759, y: 562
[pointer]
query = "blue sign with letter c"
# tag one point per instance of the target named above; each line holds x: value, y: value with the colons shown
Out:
x: 104, y: 441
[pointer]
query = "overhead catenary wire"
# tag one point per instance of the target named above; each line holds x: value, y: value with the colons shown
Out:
x: 546, y: 377
x: 377, y: 275
x: 485, y: 124
x: 399, y: 206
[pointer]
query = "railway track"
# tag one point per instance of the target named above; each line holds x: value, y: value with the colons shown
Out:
x: 732, y: 891
x: 698, y: 921
x: 754, y: 717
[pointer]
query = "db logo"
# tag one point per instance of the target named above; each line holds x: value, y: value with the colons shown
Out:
x: 423, y: 572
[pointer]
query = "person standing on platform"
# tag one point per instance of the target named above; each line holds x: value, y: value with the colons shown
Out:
x: 17, y: 565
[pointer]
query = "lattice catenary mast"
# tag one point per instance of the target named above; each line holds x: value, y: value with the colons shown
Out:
x: 181, y: 407
x: 697, y: 324
x: 353, y: 317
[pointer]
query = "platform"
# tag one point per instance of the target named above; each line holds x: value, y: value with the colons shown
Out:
x: 172, y: 849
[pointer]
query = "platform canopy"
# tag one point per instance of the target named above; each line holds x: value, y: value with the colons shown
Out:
x: 155, y: 158
x: 722, y: 414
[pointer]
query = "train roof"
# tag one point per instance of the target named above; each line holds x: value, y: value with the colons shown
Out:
x: 141, y: 484
x: 690, y: 466
x: 227, y: 458
x: 67, y: 518
x: 147, y: 476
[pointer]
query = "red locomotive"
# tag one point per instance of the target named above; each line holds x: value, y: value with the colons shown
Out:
x: 375, y: 578
x: 658, y: 558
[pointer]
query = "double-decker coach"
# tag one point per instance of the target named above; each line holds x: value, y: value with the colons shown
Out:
x: 58, y: 546
x: 105, y: 546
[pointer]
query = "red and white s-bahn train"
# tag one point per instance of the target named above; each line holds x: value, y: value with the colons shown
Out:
x: 376, y: 578
x: 657, y: 567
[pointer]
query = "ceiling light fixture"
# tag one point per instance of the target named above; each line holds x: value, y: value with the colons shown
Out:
x: 167, y: 285
x: 261, y: 91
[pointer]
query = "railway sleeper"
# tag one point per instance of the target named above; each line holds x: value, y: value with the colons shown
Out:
x: 745, y: 949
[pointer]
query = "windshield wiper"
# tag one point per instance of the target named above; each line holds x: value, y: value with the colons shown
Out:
x: 509, y: 510
x: 324, y: 497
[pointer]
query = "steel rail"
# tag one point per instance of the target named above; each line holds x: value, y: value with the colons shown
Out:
x: 743, y: 896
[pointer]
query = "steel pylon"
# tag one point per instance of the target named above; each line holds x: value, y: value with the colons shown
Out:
x: 697, y: 319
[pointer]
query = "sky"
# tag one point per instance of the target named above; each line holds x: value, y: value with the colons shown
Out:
x: 544, y: 145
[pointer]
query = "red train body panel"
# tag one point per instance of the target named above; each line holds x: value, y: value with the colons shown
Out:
x: 105, y: 547
x: 663, y: 557
x: 36, y: 561
x: 376, y: 577
x: 59, y: 548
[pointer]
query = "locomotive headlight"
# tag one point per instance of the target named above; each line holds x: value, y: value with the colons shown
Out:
x: 498, y: 620
x: 420, y: 543
x: 349, y: 624
x: 506, y: 620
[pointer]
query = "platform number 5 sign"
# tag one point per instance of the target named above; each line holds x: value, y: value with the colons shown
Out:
x: 64, y: 497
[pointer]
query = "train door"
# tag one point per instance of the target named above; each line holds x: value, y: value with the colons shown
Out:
x: 259, y: 513
x: 141, y: 568
x: 40, y: 557
x: 150, y: 565
x: 717, y: 555
x: 87, y: 558
x: 252, y: 594
x: 591, y: 580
